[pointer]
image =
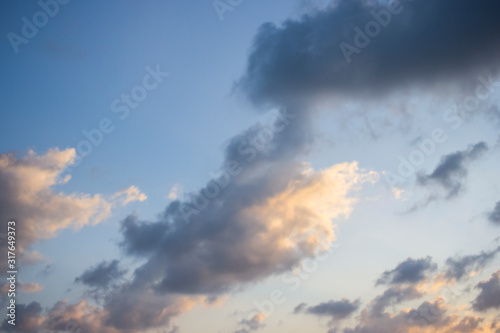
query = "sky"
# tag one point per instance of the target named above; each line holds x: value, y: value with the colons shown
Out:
x: 243, y: 166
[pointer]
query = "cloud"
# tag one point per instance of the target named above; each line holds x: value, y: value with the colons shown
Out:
x: 458, y: 268
x: 135, y: 308
x: 409, y: 271
x: 260, y: 225
x: 256, y: 228
x: 300, y: 308
x: 81, y: 317
x: 303, y: 58
x: 31, y: 287
x: 428, y: 315
x: 335, y: 309
x: 468, y: 325
x: 451, y: 172
x: 29, y: 198
x: 494, y: 216
x: 253, y: 324
x: 101, y: 275
x: 85, y: 318
x: 129, y: 195
x: 489, y: 297
x: 174, y: 329
x: 393, y: 296
x: 28, y: 319
x: 387, y: 312
x: 174, y: 192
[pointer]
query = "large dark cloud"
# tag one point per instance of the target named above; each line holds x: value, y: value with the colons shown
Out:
x: 489, y: 297
x: 494, y: 216
x: 426, y: 41
x: 334, y: 309
x: 255, y: 225
x: 460, y: 267
x: 101, y: 275
x: 409, y: 271
x: 452, y: 171
x: 233, y: 240
x: 28, y: 319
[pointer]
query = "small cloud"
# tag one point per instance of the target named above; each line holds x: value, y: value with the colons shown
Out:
x: 101, y: 275
x: 462, y: 267
x: 410, y: 271
x: 31, y: 287
x: 489, y: 297
x: 175, y: 191
x: 129, y: 195
x: 337, y: 310
x: 400, y: 194
x: 494, y: 216
x: 452, y: 171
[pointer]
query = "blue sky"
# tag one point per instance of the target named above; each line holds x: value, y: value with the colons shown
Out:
x: 328, y: 184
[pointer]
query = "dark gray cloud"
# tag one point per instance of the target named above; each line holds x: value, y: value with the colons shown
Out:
x: 27, y: 319
x: 460, y: 267
x: 494, y: 216
x: 393, y: 296
x: 47, y: 270
x: 409, y: 271
x: 304, y: 58
x: 102, y: 274
x: 489, y: 297
x: 451, y: 172
x: 300, y: 308
x: 429, y: 314
x: 334, y: 309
